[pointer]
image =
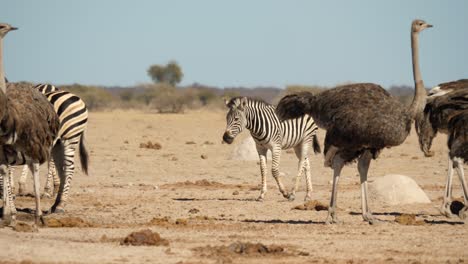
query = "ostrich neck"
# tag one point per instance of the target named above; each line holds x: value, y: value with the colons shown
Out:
x: 2, y: 71
x: 419, y: 100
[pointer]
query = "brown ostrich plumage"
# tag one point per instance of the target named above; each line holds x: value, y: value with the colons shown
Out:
x: 32, y: 118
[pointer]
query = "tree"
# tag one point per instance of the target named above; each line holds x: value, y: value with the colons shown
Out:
x: 171, y: 73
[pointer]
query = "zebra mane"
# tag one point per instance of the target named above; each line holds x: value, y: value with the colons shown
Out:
x: 235, y: 101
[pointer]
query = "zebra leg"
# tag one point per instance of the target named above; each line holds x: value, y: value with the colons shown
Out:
x: 300, y: 171
x: 463, y: 214
x: 262, y: 154
x: 308, y: 196
x: 69, y: 164
x: 445, y: 208
x: 52, y: 178
x: 9, y: 211
x: 22, y: 181
x: 276, y: 157
x: 34, y: 167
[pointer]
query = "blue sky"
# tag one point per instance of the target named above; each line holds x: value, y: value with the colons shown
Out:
x: 234, y: 43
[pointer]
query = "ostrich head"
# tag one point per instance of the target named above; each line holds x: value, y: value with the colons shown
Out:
x: 235, y: 118
x: 5, y: 28
x: 426, y: 132
x: 419, y: 25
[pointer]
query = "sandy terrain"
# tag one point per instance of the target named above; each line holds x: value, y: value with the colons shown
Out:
x: 204, y: 206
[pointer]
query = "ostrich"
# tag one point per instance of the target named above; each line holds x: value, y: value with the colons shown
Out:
x: 28, y: 129
x: 448, y: 87
x: 360, y: 120
x: 448, y: 113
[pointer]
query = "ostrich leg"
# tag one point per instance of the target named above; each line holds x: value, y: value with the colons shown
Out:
x: 34, y: 167
x: 363, y: 168
x: 463, y: 214
x: 445, y: 208
x: 337, y: 165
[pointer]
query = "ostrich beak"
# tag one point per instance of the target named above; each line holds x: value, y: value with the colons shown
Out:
x: 13, y: 28
x: 429, y: 25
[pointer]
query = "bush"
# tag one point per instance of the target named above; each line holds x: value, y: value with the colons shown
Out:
x: 96, y: 98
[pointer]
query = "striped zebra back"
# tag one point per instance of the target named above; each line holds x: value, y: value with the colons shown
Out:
x: 72, y: 112
x: 46, y: 88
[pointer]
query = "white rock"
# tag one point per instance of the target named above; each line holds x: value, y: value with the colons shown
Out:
x: 246, y: 150
x: 396, y: 189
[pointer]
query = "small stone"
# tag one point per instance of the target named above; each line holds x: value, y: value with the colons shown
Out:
x: 203, y: 156
x: 235, y: 193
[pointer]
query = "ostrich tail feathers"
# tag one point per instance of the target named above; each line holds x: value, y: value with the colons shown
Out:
x: 294, y: 105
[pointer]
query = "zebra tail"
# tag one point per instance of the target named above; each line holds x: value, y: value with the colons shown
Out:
x: 84, y: 157
x: 316, y: 145
x: 58, y: 154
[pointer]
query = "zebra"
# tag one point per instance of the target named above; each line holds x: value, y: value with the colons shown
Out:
x: 73, y: 116
x: 269, y: 133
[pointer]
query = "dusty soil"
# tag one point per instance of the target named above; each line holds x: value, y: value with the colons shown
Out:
x: 184, y: 188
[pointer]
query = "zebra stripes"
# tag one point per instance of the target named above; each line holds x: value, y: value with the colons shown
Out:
x: 73, y: 116
x: 271, y: 134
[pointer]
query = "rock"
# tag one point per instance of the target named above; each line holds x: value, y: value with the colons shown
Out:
x: 396, y: 189
x: 246, y: 150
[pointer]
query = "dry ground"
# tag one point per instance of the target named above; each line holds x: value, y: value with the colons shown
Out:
x: 202, y: 206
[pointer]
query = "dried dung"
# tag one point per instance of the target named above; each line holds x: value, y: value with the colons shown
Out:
x: 242, y: 249
x: 408, y: 219
x: 67, y: 222
x: 159, y: 221
x: 150, y: 145
x: 25, y: 227
x: 312, y: 205
x: 144, y: 237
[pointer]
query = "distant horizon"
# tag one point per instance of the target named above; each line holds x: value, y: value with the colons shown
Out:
x: 264, y: 43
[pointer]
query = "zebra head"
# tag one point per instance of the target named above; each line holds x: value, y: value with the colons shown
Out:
x: 426, y: 132
x: 235, y: 118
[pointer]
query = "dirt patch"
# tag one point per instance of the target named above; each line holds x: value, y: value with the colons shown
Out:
x: 203, y: 184
x: 408, y: 219
x: 144, y: 237
x: 67, y: 222
x: 190, y: 143
x: 150, y: 145
x: 25, y: 227
x: 242, y: 249
x: 311, y: 205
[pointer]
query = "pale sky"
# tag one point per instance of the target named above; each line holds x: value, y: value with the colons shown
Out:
x: 234, y: 43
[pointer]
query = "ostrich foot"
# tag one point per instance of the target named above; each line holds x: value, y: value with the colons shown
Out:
x: 332, y: 218
x: 368, y: 217
x: 261, y: 198
x: 39, y: 221
x: 445, y: 210
x: 463, y: 214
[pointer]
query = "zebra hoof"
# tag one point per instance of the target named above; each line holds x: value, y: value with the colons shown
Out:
x: 57, y: 210
x: 291, y: 197
x: 46, y: 195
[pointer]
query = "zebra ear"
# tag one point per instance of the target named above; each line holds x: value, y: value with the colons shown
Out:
x: 226, y: 101
x: 242, y: 104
